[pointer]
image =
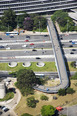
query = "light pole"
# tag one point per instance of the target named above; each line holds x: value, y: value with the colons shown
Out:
x: 8, y: 27
x: 39, y: 26
x: 67, y: 25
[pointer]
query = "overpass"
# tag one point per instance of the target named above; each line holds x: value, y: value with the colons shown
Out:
x: 59, y: 60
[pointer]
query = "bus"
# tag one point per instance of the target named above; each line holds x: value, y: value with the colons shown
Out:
x: 12, y: 33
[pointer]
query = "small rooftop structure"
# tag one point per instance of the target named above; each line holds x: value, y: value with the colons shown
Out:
x: 2, y: 90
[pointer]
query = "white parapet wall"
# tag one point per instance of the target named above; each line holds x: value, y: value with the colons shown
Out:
x: 2, y: 90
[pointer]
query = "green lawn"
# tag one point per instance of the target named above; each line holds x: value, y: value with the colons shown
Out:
x: 49, y: 66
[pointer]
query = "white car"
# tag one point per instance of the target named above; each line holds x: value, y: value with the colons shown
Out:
x: 24, y: 45
x: 8, y: 48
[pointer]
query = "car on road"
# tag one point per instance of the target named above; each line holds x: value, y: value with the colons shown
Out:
x: 8, y: 48
x: 0, y: 38
x: 11, y: 36
x: 71, y: 52
x: 24, y: 45
x: 70, y: 41
x: 26, y: 40
x: 38, y: 58
x: 71, y: 46
x: 31, y: 43
x: 27, y: 36
x: 73, y: 49
x: 34, y: 50
x: 1, y: 46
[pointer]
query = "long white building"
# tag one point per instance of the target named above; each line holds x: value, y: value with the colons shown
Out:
x: 36, y: 6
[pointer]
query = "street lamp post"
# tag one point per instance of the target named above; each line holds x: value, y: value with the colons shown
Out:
x: 39, y: 26
x: 8, y: 27
x: 67, y: 25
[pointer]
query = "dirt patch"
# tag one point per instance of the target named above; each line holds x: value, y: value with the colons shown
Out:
x: 54, y: 82
x: 61, y: 101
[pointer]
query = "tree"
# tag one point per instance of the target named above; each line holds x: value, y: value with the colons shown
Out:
x: 40, y: 21
x: 31, y: 102
x: 20, y: 19
x: 28, y: 24
x: 48, y: 110
x: 26, y: 79
x: 70, y: 91
x: 9, y: 19
x: 61, y: 92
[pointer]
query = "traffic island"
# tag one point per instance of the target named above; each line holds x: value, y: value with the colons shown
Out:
x: 40, y: 64
x: 12, y: 64
x: 26, y: 64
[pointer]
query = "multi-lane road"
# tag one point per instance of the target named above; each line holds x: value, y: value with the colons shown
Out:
x: 18, y: 49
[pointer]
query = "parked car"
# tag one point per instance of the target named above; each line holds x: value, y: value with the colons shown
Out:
x: 2, y: 107
x: 6, y: 109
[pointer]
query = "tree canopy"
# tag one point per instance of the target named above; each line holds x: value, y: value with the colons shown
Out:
x: 9, y: 18
x: 26, y: 79
x: 65, y: 22
x: 28, y: 24
x: 48, y: 110
x: 20, y: 19
x: 61, y: 92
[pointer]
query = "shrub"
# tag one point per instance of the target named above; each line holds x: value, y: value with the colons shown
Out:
x: 43, y: 97
x: 61, y: 92
x: 70, y: 91
x: 31, y: 102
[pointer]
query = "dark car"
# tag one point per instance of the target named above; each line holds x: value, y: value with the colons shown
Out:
x: 73, y: 49
x: 6, y: 109
x: 38, y: 58
x: 2, y: 107
x: 1, y: 46
x: 0, y: 38
x: 34, y: 50
x: 71, y: 46
x: 27, y: 36
x: 11, y: 36
x: 71, y: 52
x: 70, y: 41
x: 45, y: 35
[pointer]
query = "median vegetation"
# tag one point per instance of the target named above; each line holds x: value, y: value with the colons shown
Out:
x: 49, y: 66
x: 65, y: 22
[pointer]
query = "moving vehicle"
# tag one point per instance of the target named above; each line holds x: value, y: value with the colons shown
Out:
x: 12, y: 33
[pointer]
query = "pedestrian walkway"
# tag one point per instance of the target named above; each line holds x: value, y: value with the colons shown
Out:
x: 59, y: 60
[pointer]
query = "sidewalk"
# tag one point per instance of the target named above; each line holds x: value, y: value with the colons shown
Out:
x: 34, y: 33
